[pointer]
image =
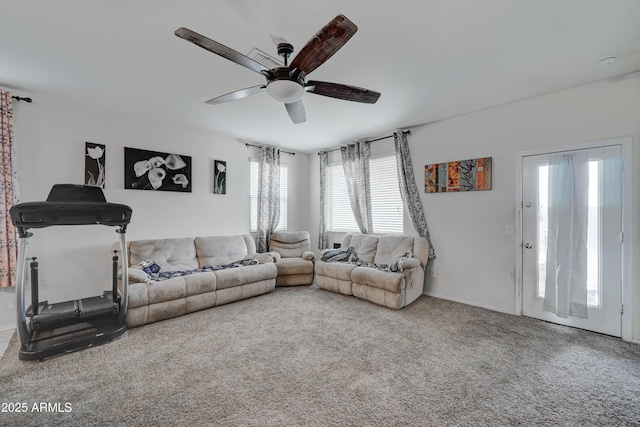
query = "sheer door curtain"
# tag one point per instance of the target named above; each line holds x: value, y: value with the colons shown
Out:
x: 566, y: 277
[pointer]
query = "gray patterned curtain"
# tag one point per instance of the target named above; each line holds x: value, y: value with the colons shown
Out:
x: 355, y: 161
x: 323, y: 239
x: 9, y: 193
x: 409, y: 189
x: 268, y: 195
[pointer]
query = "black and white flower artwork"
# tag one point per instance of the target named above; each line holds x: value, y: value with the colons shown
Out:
x: 219, y: 177
x: 94, y: 163
x: 154, y: 170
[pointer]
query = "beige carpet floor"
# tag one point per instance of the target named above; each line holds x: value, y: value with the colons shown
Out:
x: 307, y: 357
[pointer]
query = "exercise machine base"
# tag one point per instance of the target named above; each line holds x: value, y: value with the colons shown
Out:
x: 49, y: 343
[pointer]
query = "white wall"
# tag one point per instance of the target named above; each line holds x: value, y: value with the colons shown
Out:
x: 50, y: 135
x: 475, y: 260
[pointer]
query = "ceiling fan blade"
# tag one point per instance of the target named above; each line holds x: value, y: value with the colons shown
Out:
x: 220, y: 49
x: 238, y: 94
x: 296, y: 112
x: 340, y: 91
x: 324, y: 44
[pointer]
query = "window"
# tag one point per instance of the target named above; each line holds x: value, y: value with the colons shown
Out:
x: 386, y: 202
x: 282, y: 224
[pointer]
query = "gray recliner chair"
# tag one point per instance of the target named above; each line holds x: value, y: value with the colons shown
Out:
x: 294, y: 259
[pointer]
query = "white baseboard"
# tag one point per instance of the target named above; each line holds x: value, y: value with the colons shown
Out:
x: 462, y: 301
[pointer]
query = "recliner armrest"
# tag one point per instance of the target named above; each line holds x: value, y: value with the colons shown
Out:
x: 309, y: 256
x: 267, y: 257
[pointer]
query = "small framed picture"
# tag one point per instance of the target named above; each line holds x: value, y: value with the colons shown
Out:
x: 219, y: 177
x: 94, y: 163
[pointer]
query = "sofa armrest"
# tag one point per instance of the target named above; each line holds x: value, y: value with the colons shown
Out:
x: 309, y: 256
x: 274, y: 255
x: 136, y: 276
x: 266, y: 257
x: 410, y: 263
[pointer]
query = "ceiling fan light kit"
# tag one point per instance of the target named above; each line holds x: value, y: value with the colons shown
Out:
x: 287, y: 84
x: 283, y: 86
x: 285, y: 90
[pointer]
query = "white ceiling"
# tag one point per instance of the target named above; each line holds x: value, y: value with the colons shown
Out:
x: 430, y: 59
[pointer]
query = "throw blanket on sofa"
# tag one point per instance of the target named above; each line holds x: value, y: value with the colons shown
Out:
x: 153, y: 270
x: 349, y: 256
x: 339, y: 255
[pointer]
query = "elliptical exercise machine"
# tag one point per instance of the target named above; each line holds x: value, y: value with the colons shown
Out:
x: 68, y: 326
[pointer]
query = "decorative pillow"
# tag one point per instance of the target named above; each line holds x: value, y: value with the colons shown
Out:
x: 149, y: 266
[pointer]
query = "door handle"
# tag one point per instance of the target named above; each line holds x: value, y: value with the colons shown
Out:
x: 528, y: 245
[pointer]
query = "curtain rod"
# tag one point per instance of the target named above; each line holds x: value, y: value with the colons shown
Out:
x: 19, y: 98
x: 408, y: 132
x: 257, y: 146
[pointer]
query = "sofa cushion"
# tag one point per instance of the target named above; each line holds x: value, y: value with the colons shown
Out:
x: 392, y: 248
x: 290, y: 243
x: 365, y: 245
x: 219, y: 250
x: 200, y: 283
x: 288, y: 266
x: 375, y: 278
x: 244, y: 275
x: 167, y: 290
x: 294, y: 280
x: 336, y: 270
x: 170, y: 254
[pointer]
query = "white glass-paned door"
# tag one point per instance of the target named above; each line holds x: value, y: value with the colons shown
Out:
x: 604, y: 240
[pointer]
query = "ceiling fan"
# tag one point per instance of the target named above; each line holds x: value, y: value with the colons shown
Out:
x: 287, y: 84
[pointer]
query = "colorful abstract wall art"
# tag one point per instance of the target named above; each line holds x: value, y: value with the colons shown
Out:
x: 153, y: 170
x: 461, y: 175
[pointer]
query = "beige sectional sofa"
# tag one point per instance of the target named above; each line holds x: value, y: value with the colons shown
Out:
x: 213, y: 283
x: 366, y: 277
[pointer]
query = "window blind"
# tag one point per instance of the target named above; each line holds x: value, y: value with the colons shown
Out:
x: 386, y: 202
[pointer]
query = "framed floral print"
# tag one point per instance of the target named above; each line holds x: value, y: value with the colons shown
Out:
x: 155, y: 170
x: 94, y: 164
